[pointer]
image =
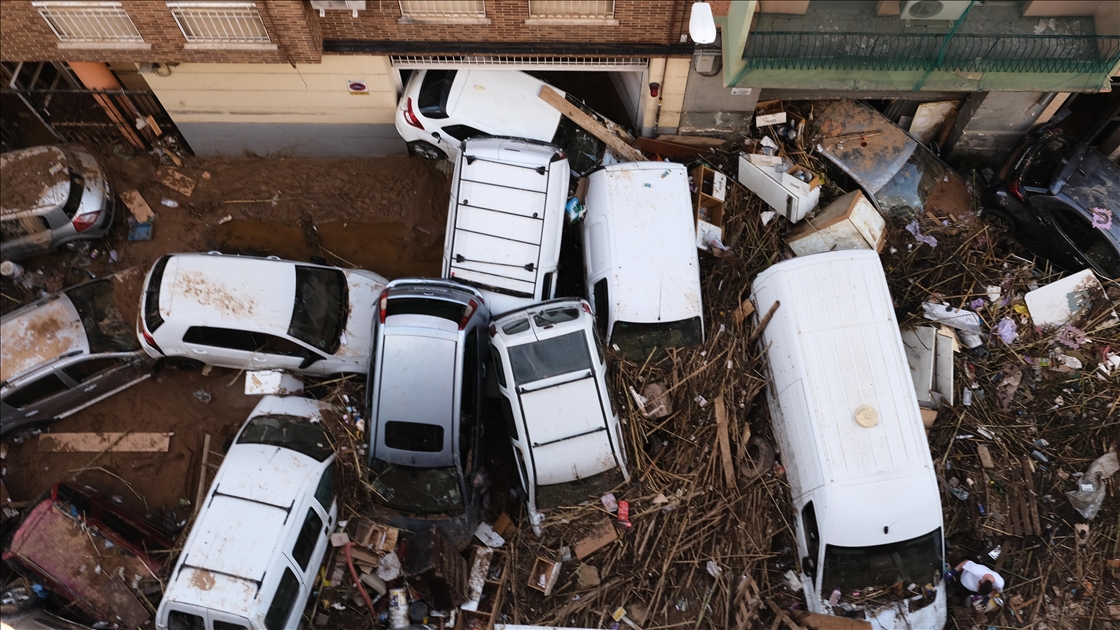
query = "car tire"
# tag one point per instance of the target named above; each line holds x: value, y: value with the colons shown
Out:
x: 426, y: 150
x: 1000, y: 220
x: 757, y: 459
x: 182, y: 363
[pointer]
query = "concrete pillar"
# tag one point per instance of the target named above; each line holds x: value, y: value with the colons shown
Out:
x: 991, y: 123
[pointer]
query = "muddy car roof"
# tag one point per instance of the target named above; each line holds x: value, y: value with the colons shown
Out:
x: 40, y: 333
x: 250, y: 293
x: 28, y: 180
x: 506, y: 101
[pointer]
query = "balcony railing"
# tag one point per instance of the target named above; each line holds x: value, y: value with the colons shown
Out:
x: 776, y: 50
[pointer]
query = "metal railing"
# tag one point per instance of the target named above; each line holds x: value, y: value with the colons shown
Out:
x: 572, y: 9
x: 221, y: 22
x: 780, y: 50
x: 89, y: 21
x: 443, y: 8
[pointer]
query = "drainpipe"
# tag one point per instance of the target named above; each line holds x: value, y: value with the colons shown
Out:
x: 97, y: 76
x: 657, y: 78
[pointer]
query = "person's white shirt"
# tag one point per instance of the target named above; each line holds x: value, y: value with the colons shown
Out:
x: 972, y: 574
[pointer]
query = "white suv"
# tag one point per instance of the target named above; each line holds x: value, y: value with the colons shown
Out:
x: 259, y: 313
x: 552, y: 376
x: 505, y: 220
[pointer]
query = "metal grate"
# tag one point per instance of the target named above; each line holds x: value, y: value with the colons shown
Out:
x: 451, y: 62
x: 962, y: 53
x: 571, y: 9
x: 443, y: 8
x: 222, y: 22
x: 89, y: 21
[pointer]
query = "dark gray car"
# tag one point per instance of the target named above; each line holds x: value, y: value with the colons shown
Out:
x: 425, y: 406
x: 64, y: 353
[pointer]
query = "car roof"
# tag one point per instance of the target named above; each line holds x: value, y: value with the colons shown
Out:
x: 871, y: 161
x: 504, y: 213
x: 231, y: 291
x: 34, y: 164
x: 38, y: 334
x: 503, y: 102
x: 1095, y: 183
x: 655, y: 265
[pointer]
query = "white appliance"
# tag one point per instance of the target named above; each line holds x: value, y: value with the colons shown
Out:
x: 933, y: 10
x: 791, y: 198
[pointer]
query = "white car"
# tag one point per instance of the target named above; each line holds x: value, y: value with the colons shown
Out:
x: 439, y: 109
x: 259, y: 313
x: 552, y: 377
x: 505, y: 220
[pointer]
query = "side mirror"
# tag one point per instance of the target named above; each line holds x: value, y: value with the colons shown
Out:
x: 809, y: 565
x: 309, y: 361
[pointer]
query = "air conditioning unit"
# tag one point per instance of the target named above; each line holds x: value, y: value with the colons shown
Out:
x: 933, y: 10
x: 338, y: 5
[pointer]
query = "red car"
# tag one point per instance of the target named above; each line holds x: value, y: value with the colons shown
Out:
x: 90, y: 553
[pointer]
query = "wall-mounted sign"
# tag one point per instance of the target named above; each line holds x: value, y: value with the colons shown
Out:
x: 357, y: 87
x: 740, y: 91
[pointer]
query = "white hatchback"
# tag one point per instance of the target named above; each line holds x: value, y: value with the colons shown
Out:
x: 552, y: 377
x: 259, y: 313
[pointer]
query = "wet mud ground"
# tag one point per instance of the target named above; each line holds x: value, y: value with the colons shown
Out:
x: 386, y: 215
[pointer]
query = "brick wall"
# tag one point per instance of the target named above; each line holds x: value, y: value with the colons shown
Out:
x: 26, y: 36
x: 639, y: 21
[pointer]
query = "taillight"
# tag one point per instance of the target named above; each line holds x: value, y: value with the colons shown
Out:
x: 151, y: 340
x: 383, y: 304
x: 586, y: 307
x: 83, y: 222
x: 410, y: 116
x: 1014, y: 189
x: 467, y: 312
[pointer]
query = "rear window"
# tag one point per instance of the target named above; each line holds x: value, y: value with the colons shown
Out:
x: 320, y: 309
x: 290, y: 432
x: 414, y: 436
x: 105, y: 325
x: 1044, y: 161
x: 152, y: 318
x: 552, y: 357
x: 179, y: 620
x: 638, y: 340
x: 416, y: 490
x: 77, y: 186
x: 578, y: 491
x: 444, y: 309
x: 432, y: 100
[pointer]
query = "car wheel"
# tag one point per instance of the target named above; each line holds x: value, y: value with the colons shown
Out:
x: 1000, y: 220
x: 426, y: 150
x: 182, y: 363
x: 25, y: 432
x: 17, y: 597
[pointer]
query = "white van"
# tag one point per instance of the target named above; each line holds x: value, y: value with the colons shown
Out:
x: 640, y: 260
x: 867, y: 508
x: 505, y: 219
x: 260, y: 535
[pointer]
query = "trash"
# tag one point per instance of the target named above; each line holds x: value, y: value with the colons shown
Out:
x: 967, y: 322
x: 139, y: 231
x: 398, y: 608
x: 338, y: 539
x: 206, y: 370
x: 170, y: 203
x: 587, y: 576
x: 1087, y: 500
x: 1068, y: 301
x: 1081, y: 533
x: 542, y: 576
x: 371, y: 580
x: 203, y: 395
x: 658, y: 405
x: 995, y: 553
x: 792, y: 581
x: 1007, y: 330
x: 966, y: 397
x: 10, y: 269
x: 850, y: 222
x: 624, y: 513
x: 1071, y: 337
x: 915, y: 229
x: 767, y: 216
x: 700, y: 400
x: 389, y: 567
x: 1005, y: 390
x: 714, y: 569
x: 272, y: 382
x: 488, y: 536
x: 574, y: 210
x: 175, y: 180
x: 114, y: 257
x: 835, y: 597
x: 610, y: 504
x: 602, y: 535
x: 956, y: 490
x: 225, y: 219
x: 985, y: 456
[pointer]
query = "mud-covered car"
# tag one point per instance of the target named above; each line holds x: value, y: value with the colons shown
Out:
x: 63, y: 353
x: 91, y: 554
x: 900, y: 175
x: 1060, y: 199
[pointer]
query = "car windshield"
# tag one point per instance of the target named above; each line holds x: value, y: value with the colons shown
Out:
x: 638, y: 340
x: 432, y: 100
x: 908, y: 191
x: 415, y: 489
x: 551, y: 357
x: 578, y: 491
x: 1044, y: 161
x: 105, y: 326
x: 291, y: 432
x: 319, y: 314
x: 582, y: 148
x: 918, y: 561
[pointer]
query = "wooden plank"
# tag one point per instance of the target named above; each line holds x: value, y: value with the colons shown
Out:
x: 1013, y: 510
x: 602, y: 535
x: 175, y: 180
x: 666, y: 149
x: 99, y: 442
x: 202, y: 486
x: 745, y: 310
x: 815, y: 621
x: 139, y: 208
x: 724, y: 441
x: 985, y: 456
x: 1032, y: 500
x: 592, y: 126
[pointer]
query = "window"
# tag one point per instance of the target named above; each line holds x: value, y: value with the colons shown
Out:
x: 36, y: 391
x: 220, y: 22
x: 221, y: 338
x: 446, y: 11
x: 499, y: 369
x: 565, y: 354
x: 179, y: 620
x: 416, y: 490
x: 123, y: 528
x: 507, y: 415
x: 308, y: 536
x: 918, y: 560
x: 85, y: 370
x: 638, y: 340
x: 601, y: 305
x: 152, y: 319
x: 1090, y: 241
x: 226, y: 625
x: 89, y: 22
x: 463, y: 132
x: 319, y: 312
x: 571, y: 9
x: 324, y: 492
x: 280, y: 346
x: 445, y: 309
x: 812, y: 538
x: 106, y: 328
x: 19, y: 227
x: 283, y: 602
x: 289, y: 432
x: 434, y: 91
x: 546, y: 287
x: 414, y: 436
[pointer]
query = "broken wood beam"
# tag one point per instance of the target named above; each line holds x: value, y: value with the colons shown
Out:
x: 723, y: 433
x: 202, y: 473
x: 102, y: 442
x: 592, y: 126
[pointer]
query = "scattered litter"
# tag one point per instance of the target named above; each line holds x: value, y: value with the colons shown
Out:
x: 914, y: 229
x: 700, y: 400
x: 488, y: 536
x: 175, y: 180
x: 967, y: 322
x: 170, y: 203
x: 543, y: 575
x: 1007, y: 387
x: 767, y: 216
x: 203, y: 395
x: 338, y: 539
x: 1071, y: 337
x: 792, y: 581
x: 600, y: 536
x: 714, y: 569
x: 624, y: 513
x: 1007, y: 330
x: 1088, y: 498
x: 225, y: 219
x: 610, y: 504
x: 389, y: 567
x: 1067, y: 301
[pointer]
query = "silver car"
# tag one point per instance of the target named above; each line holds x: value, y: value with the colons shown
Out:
x: 51, y: 196
x: 425, y: 406
x: 64, y: 353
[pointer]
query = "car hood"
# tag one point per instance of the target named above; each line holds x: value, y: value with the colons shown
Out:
x: 364, y: 287
x: 568, y: 431
x: 873, y: 160
x: 42, y: 175
x: 36, y: 335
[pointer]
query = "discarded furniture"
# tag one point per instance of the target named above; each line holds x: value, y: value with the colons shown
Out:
x: 780, y: 188
x: 850, y: 222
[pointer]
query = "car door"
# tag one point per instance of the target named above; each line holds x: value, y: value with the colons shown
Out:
x: 220, y: 346
x: 99, y: 376
x: 1076, y: 233
x: 274, y: 352
x: 42, y: 397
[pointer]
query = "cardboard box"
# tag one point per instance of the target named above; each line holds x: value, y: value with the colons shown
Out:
x: 850, y: 222
x: 769, y: 113
x: 707, y: 203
